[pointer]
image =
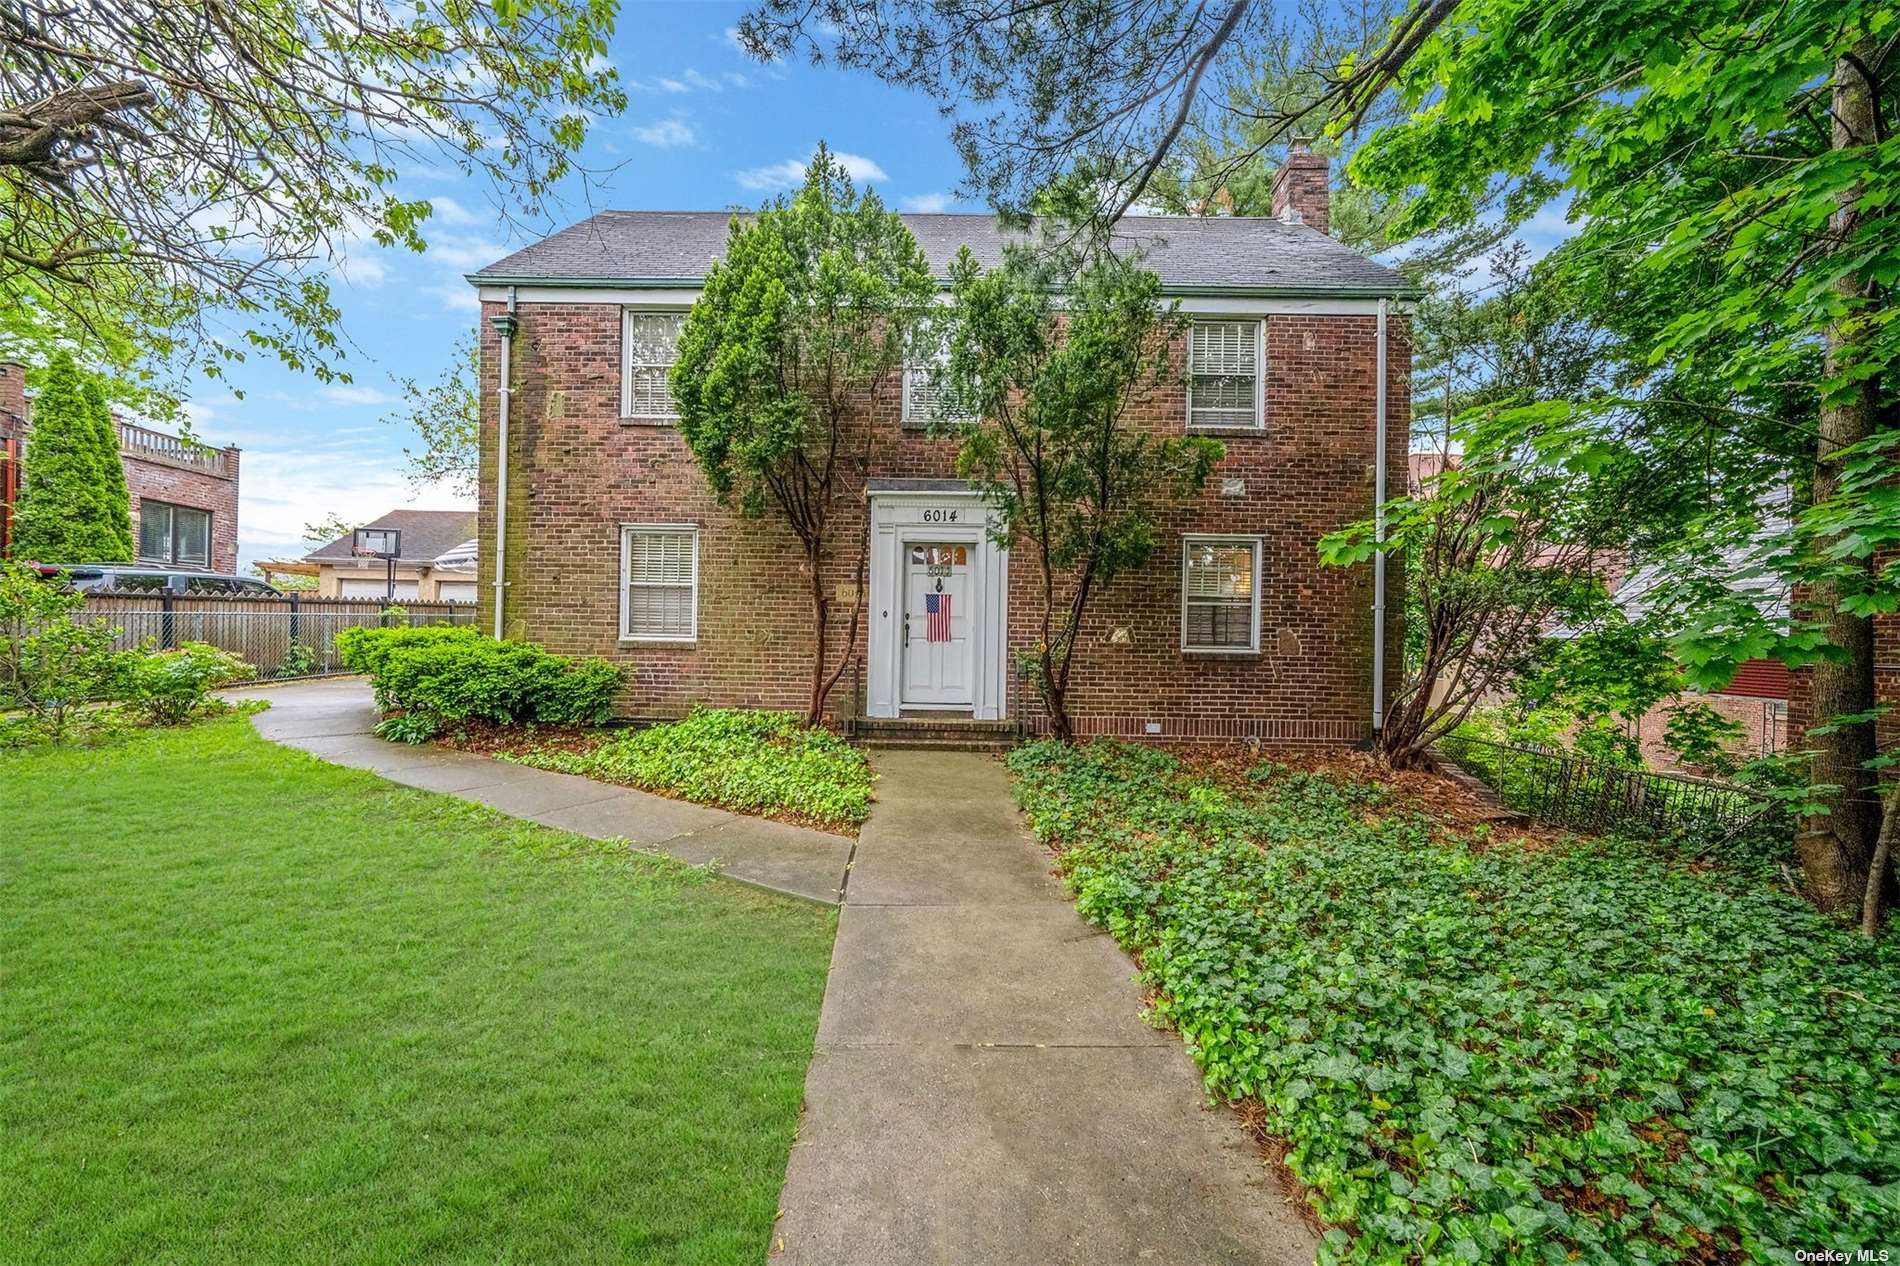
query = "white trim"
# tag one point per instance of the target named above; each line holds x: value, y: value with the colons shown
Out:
x: 1222, y: 538
x: 628, y: 315
x: 654, y: 298
x: 898, y: 518
x: 1259, y: 423
x: 627, y: 531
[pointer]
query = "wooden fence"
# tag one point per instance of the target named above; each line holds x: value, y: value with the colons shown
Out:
x: 282, y: 637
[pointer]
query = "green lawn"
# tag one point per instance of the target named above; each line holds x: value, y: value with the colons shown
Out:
x: 256, y: 1008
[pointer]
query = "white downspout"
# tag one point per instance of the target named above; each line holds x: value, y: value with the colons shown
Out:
x: 504, y: 326
x: 1378, y: 535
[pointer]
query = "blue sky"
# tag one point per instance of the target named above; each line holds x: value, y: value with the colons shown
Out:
x: 705, y: 127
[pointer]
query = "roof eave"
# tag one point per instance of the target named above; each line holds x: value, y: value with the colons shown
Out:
x: 1402, y: 291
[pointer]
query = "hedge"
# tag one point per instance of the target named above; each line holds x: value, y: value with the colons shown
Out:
x: 445, y: 674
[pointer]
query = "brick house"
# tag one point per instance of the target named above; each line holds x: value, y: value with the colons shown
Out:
x: 614, y: 545
x: 184, y: 497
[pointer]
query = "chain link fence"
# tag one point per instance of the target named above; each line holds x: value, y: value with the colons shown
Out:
x: 282, y: 637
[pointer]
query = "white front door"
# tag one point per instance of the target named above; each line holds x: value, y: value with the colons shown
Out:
x: 938, y: 653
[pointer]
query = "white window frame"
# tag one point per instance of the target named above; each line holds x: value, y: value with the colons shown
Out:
x: 627, y: 533
x: 627, y: 318
x: 915, y: 369
x: 1259, y: 423
x: 1255, y: 545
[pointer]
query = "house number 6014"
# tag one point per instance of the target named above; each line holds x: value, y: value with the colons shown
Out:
x: 940, y: 516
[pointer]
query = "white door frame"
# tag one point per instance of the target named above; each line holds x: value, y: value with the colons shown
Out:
x: 899, y: 518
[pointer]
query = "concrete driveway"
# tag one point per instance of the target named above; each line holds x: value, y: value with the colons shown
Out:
x: 984, y: 1090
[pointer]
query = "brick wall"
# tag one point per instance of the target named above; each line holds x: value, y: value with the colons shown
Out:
x: 157, y: 478
x: 576, y: 473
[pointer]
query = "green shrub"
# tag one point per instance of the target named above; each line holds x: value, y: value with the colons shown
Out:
x: 170, y: 687
x: 54, y: 663
x: 300, y: 660
x: 1593, y: 1052
x: 765, y: 763
x: 456, y: 673
x: 363, y: 650
x: 409, y: 727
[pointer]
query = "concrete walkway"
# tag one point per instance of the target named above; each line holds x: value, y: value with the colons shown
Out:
x: 984, y: 1090
x: 332, y: 719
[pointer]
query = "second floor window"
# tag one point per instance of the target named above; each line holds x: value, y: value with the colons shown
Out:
x: 924, y: 395
x: 1224, y: 389
x: 178, y: 535
x: 649, y: 344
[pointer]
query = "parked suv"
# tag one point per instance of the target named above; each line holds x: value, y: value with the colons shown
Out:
x: 138, y: 578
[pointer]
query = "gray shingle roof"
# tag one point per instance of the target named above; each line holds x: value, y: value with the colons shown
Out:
x: 1188, y: 253
x: 425, y: 534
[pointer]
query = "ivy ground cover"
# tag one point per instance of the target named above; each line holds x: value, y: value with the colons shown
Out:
x: 257, y: 1008
x: 1483, y: 1051
x: 764, y: 763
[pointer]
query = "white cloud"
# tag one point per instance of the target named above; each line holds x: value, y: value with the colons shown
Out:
x: 791, y: 172
x: 455, y: 296
x: 465, y: 251
x: 287, y: 487
x: 353, y: 394
x: 448, y: 211
x: 926, y: 202
x: 689, y: 80
x: 666, y: 133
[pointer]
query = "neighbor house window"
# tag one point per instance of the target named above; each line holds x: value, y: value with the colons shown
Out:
x: 649, y: 344
x: 1220, y: 593
x: 659, y: 583
x: 1224, y: 360
x: 924, y: 393
x: 173, y: 534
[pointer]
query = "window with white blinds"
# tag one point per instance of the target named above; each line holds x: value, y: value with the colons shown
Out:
x: 1224, y: 374
x: 659, y: 583
x: 649, y: 344
x: 923, y: 394
x: 1220, y: 593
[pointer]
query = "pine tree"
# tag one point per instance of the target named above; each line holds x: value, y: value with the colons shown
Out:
x: 74, y: 506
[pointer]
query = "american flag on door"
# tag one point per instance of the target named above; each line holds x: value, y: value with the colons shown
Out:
x: 937, y: 627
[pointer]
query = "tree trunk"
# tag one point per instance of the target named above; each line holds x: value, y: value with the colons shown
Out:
x: 1873, y: 897
x: 1835, y: 847
x: 815, y: 710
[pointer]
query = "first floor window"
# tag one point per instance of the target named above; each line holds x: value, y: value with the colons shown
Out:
x: 649, y: 345
x: 1224, y: 374
x: 178, y: 535
x: 659, y: 583
x: 1220, y: 593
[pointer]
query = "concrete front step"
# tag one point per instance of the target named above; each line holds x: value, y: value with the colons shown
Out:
x: 948, y: 734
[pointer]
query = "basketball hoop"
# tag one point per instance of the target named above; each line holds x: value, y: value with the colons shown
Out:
x: 383, y: 543
x: 370, y: 542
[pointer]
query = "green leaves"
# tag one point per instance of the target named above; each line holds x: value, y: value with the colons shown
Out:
x: 74, y: 506
x: 765, y: 763
x: 1049, y: 358
x: 1593, y: 1051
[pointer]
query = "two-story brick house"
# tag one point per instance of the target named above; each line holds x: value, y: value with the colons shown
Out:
x: 613, y: 545
x: 184, y: 496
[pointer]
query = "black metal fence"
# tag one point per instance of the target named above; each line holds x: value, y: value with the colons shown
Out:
x: 1589, y: 795
x: 282, y: 637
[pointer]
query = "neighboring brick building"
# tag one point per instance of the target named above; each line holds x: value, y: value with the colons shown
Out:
x: 616, y: 547
x: 184, y: 497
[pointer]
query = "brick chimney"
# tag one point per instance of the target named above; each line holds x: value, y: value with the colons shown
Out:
x: 12, y: 400
x: 1300, y: 193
